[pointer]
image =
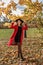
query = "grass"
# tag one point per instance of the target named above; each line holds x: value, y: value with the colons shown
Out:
x: 31, y: 32
x: 5, y: 33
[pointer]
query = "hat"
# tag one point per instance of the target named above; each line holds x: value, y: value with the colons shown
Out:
x: 20, y: 20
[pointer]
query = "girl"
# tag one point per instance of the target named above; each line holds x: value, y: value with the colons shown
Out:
x: 17, y: 36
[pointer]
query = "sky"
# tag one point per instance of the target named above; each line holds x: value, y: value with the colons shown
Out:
x: 38, y: 0
x: 18, y: 1
x: 19, y: 9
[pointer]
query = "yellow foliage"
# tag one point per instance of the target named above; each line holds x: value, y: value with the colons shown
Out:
x: 6, y: 24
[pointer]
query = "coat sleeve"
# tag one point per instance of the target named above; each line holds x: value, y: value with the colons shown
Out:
x: 25, y: 27
x: 13, y: 26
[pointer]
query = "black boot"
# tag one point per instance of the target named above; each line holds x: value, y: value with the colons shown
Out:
x: 22, y: 57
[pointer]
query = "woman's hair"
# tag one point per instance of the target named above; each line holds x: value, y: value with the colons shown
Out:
x: 20, y: 20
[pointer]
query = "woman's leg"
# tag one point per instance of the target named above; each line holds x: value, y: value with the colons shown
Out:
x: 20, y: 51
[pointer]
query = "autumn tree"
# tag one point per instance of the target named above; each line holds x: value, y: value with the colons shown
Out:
x: 29, y: 12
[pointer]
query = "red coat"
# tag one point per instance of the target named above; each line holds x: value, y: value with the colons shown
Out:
x: 14, y: 34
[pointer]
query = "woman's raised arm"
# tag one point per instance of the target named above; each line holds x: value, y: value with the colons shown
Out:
x: 12, y: 25
x: 25, y: 26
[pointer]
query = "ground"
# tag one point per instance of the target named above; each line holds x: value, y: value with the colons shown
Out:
x: 32, y: 48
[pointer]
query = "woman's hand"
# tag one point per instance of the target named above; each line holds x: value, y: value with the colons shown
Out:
x: 25, y: 22
x: 15, y: 23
